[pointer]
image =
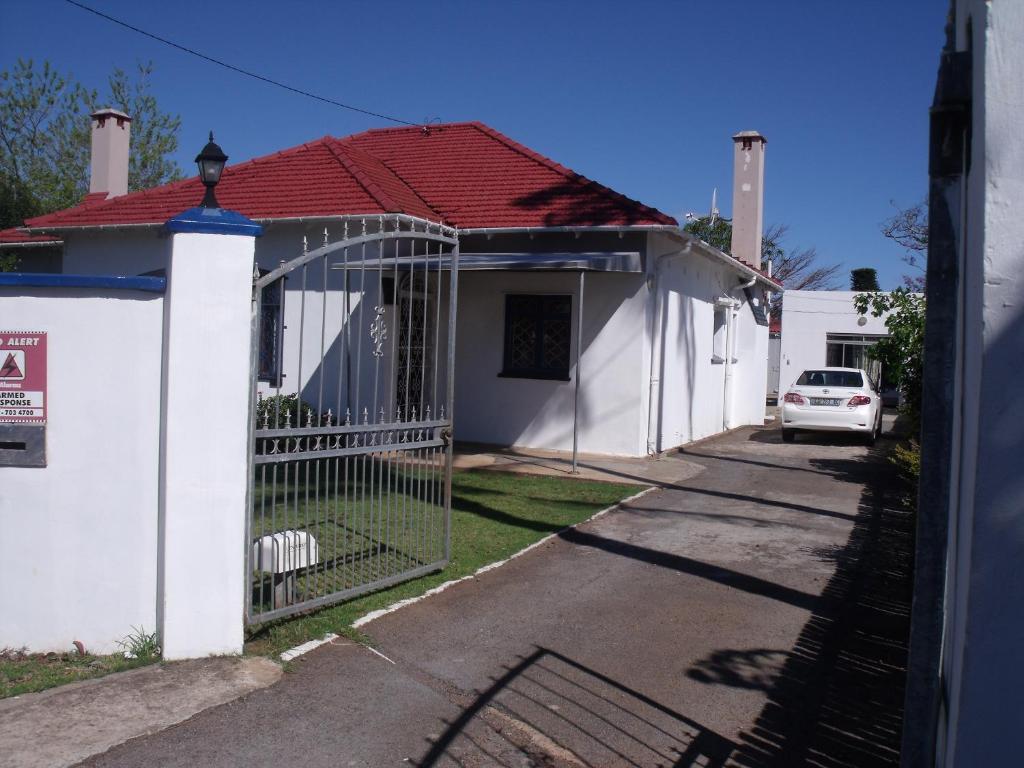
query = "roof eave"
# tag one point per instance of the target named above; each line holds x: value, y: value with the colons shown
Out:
x: 710, y: 251
x: 33, y: 244
x: 313, y: 219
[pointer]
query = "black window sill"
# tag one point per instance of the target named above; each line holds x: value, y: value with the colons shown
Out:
x: 545, y: 375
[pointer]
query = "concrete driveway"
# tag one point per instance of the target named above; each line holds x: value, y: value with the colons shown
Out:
x: 754, y: 614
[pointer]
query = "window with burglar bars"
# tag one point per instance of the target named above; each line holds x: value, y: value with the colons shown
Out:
x: 271, y: 332
x: 538, y: 336
x: 414, y: 346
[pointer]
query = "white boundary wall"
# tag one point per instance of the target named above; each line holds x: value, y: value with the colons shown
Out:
x: 205, y: 458
x: 79, y: 537
x: 137, y: 521
x: 982, y: 673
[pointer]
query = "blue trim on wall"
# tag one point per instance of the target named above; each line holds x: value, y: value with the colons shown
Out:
x: 117, y: 282
x: 213, y: 221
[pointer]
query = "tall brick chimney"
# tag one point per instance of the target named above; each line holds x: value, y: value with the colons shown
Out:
x: 111, y: 137
x: 748, y: 197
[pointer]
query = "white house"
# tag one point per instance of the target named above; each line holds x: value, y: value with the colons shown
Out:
x: 672, y: 346
x: 822, y: 328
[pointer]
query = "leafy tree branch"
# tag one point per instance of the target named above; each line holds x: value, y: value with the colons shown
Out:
x: 45, y: 137
x: 797, y: 268
x: 902, y: 351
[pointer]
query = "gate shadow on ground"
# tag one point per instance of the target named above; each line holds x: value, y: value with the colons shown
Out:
x: 549, y: 709
x: 836, y: 697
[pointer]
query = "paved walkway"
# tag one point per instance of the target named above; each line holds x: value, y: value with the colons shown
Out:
x: 670, y: 468
x: 64, y: 725
x: 754, y: 614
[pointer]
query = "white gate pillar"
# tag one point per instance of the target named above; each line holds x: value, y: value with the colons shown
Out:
x: 204, y: 456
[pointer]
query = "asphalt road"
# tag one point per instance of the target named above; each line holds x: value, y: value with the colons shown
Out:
x: 754, y: 614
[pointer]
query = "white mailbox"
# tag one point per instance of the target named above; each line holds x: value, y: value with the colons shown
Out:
x: 284, y: 552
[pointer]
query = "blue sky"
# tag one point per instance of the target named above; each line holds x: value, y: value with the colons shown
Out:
x: 641, y: 96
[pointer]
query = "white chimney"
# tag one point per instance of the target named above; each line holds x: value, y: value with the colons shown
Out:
x: 748, y: 196
x: 111, y: 135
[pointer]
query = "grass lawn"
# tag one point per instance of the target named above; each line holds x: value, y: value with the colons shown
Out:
x: 494, y: 515
x: 24, y: 673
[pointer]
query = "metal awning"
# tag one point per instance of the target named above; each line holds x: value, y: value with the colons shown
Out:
x: 579, y: 263
x: 611, y: 261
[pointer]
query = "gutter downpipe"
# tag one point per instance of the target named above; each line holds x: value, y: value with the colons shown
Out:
x: 733, y: 304
x: 576, y: 392
x: 654, y: 381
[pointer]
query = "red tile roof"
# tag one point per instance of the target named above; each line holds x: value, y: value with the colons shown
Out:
x: 465, y: 174
x: 477, y: 177
x: 15, y: 236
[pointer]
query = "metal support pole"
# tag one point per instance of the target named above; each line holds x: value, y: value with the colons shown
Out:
x: 576, y: 394
x: 453, y: 296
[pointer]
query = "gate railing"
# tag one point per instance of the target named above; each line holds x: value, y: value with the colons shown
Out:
x: 351, y: 403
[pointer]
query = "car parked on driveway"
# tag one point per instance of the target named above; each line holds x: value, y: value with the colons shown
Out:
x: 833, y: 400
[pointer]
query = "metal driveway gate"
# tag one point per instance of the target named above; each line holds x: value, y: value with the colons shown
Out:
x: 351, y: 405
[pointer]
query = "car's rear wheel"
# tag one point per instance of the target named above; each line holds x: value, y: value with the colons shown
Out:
x: 788, y: 435
x: 871, y: 436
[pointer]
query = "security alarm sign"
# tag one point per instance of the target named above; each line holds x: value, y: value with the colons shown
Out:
x: 22, y: 376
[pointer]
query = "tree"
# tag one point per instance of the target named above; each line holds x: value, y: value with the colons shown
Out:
x: 902, y: 351
x: 908, y: 228
x: 864, y: 279
x: 45, y: 138
x: 797, y: 269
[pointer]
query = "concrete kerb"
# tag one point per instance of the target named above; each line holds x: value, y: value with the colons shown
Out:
x: 362, y: 621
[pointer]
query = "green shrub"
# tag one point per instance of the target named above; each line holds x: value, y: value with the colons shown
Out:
x: 141, y: 645
x: 278, y: 410
x: 907, y: 458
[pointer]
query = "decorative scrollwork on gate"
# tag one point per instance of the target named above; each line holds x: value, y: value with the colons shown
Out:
x: 378, y: 331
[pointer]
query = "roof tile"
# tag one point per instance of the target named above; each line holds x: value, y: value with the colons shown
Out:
x: 465, y: 174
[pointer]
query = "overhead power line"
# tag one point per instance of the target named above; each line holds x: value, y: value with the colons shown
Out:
x: 233, y: 68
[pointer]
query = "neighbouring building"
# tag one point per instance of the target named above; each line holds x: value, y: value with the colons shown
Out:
x: 822, y: 328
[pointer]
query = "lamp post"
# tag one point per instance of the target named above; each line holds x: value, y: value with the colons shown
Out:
x: 211, y: 164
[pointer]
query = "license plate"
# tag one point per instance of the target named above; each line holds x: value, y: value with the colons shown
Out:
x: 825, y: 401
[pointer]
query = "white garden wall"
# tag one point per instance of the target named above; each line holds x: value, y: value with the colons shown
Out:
x: 982, y: 674
x: 79, y: 537
x: 136, y: 522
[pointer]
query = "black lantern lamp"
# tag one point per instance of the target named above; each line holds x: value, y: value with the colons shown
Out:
x: 211, y: 164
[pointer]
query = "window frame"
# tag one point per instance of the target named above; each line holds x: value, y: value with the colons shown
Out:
x: 274, y: 375
x: 724, y: 324
x: 538, y: 371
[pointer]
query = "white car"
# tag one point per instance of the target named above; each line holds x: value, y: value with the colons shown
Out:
x: 833, y: 400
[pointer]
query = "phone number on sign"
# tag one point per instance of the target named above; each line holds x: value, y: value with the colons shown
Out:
x: 19, y: 411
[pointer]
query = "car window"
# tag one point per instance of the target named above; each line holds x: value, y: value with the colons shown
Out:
x: 831, y: 379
